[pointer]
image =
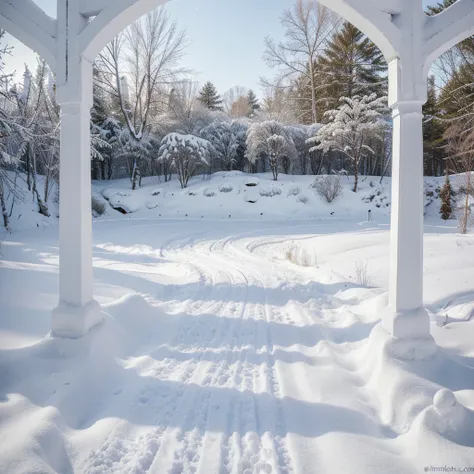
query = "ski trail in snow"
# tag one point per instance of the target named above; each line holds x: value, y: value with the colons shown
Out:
x: 124, y: 451
x: 222, y: 410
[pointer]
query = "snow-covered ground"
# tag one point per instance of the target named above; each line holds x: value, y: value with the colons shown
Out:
x: 242, y: 344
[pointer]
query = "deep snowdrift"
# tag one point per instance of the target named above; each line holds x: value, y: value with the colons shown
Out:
x: 235, y: 345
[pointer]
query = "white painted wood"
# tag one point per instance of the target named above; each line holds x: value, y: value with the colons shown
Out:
x: 110, y: 21
x: 28, y: 23
x: 447, y: 29
x: 409, y: 40
x: 371, y: 19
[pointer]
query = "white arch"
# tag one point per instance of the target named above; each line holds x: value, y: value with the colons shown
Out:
x: 114, y: 18
x: 372, y: 20
x: 447, y: 29
x: 27, y: 22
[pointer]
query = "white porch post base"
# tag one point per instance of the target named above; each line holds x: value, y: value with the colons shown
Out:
x: 75, y: 321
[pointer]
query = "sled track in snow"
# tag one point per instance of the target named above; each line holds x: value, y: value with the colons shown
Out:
x: 205, y: 390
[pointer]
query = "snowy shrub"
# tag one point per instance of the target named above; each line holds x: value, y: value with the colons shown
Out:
x: 270, y: 192
x: 377, y: 196
x: 352, y: 129
x: 303, y: 199
x: 226, y: 188
x: 209, y: 193
x: 226, y: 139
x: 272, y: 141
x: 362, y: 276
x: 294, y: 191
x: 98, y: 206
x: 186, y: 153
x: 328, y: 187
x: 251, y: 183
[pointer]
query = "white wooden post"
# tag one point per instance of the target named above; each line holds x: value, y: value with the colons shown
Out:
x: 77, y: 311
x: 405, y: 318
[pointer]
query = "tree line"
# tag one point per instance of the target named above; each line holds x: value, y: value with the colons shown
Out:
x: 324, y: 110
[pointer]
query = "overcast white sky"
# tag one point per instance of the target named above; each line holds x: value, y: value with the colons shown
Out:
x: 226, y: 38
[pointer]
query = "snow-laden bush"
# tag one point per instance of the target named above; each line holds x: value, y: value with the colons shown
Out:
x: 98, y: 206
x: 272, y: 141
x: 377, y: 196
x: 187, y: 153
x: 328, y: 187
x: 303, y: 199
x: 209, y: 193
x: 226, y: 188
x: 294, y: 191
x: 270, y: 192
x: 227, y: 141
x: 352, y: 129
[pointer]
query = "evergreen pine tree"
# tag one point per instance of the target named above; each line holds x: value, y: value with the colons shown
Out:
x: 104, y: 133
x: 253, y: 101
x: 351, y: 66
x: 445, y: 195
x: 433, y: 131
x: 209, y: 97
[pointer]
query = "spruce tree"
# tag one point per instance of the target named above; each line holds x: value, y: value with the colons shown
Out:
x: 253, y: 101
x: 445, y: 195
x: 351, y: 66
x: 209, y: 97
x: 433, y: 130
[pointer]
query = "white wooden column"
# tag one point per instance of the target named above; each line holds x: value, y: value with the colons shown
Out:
x: 405, y: 318
x: 77, y: 311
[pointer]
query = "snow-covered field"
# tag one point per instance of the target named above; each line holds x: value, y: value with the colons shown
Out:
x: 241, y: 344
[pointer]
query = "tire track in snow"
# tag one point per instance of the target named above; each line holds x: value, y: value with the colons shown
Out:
x: 194, y: 412
x: 259, y: 453
x: 340, y: 354
x: 120, y: 452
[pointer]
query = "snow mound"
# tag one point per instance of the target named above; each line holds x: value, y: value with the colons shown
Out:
x: 252, y: 182
x: 251, y: 197
x: 125, y: 203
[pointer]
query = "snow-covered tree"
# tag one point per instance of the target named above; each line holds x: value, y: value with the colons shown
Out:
x: 271, y: 142
x: 300, y: 135
x: 135, y: 68
x: 445, y: 195
x: 276, y: 145
x: 253, y: 101
x: 209, y: 97
x: 226, y: 139
x: 186, y: 153
x: 352, y: 128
